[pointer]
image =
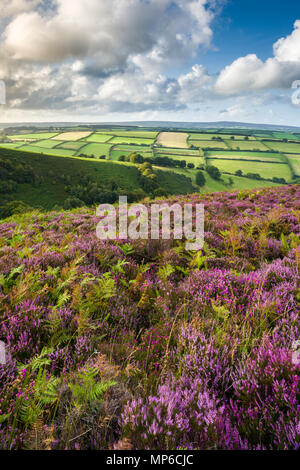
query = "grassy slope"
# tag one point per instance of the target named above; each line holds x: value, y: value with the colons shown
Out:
x: 52, y: 191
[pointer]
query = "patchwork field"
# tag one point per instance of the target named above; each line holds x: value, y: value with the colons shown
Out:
x: 239, y: 155
x: 136, y: 133
x: 173, y: 139
x: 101, y: 138
x: 72, y: 145
x: 246, y: 145
x: 117, y: 151
x: 285, y: 147
x: 176, y: 151
x: 72, y: 135
x: 208, y: 144
x: 131, y: 140
x: 37, y: 136
x: 48, y: 144
x: 47, y: 151
x: 95, y: 149
x: 294, y: 161
x: 268, y: 170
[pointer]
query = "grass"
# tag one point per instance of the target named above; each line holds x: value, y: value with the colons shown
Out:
x: 52, y: 191
x: 72, y: 145
x: 131, y: 140
x: 95, y: 149
x: 72, y: 135
x: 37, y: 136
x: 173, y: 139
x: 47, y: 151
x: 237, y: 155
x: 246, y: 145
x: 116, y: 152
x: 208, y: 144
x: 294, y: 161
x: 285, y: 135
x: 212, y: 186
x: 285, y: 147
x: 175, y: 151
x: 265, y: 170
x: 13, y: 145
x: 96, y: 137
x: 195, y: 159
x: 47, y: 144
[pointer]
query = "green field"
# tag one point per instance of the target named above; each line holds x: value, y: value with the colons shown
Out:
x: 47, y: 151
x: 72, y: 145
x: 130, y: 133
x: 284, y: 147
x: 95, y: 149
x: 196, y: 160
x: 237, y: 155
x: 210, y: 144
x: 246, y: 145
x: 131, y: 140
x: 37, y: 136
x: 117, y: 151
x: 212, y: 185
x: 96, y: 137
x: 12, y: 145
x: 294, y: 161
x: 285, y: 135
x: 265, y: 170
x: 175, y: 151
x: 47, y: 144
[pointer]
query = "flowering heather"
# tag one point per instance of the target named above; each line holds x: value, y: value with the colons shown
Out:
x: 143, y: 345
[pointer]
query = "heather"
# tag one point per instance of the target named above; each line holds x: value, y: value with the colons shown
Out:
x: 143, y: 345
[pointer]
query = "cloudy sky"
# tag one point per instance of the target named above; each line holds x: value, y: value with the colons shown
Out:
x: 176, y: 60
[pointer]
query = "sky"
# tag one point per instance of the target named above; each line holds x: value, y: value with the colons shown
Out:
x: 150, y: 60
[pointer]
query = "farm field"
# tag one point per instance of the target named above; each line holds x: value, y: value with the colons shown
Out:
x: 131, y: 140
x: 72, y: 145
x: 47, y: 144
x: 294, y: 161
x: 173, y: 139
x: 195, y: 159
x: 136, y: 133
x: 117, y: 151
x: 285, y: 135
x: 176, y: 151
x: 47, y: 151
x: 244, y: 155
x: 269, y: 170
x: 37, y: 136
x: 97, y: 137
x: 208, y: 144
x: 284, y: 147
x: 72, y: 135
x: 246, y: 145
x: 95, y: 149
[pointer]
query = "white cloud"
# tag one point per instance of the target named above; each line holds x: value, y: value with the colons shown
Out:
x: 13, y: 7
x: 250, y: 73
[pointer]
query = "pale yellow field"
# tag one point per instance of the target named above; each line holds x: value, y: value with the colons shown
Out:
x: 173, y: 139
x: 68, y: 136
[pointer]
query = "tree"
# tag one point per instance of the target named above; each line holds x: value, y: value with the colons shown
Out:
x: 200, y: 179
x: 136, y: 158
x: 190, y: 166
x: 214, y: 172
x: 239, y: 173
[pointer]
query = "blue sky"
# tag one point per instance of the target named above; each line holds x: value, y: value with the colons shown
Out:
x: 180, y: 60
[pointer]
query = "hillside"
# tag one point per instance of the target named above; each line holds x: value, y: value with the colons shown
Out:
x: 143, y: 345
